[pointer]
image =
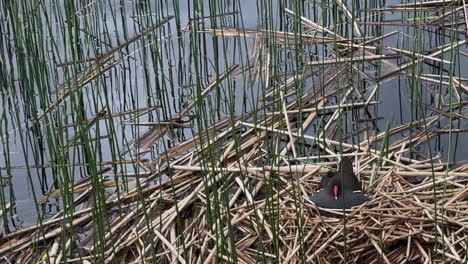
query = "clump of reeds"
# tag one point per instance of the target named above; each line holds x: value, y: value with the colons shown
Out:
x: 235, y: 201
x: 237, y: 191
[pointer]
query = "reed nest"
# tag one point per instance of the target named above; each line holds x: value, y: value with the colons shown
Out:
x: 240, y: 188
x: 220, y: 192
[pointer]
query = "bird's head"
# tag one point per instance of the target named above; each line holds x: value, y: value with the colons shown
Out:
x: 335, y: 187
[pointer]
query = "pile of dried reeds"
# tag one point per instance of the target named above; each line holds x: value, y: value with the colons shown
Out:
x: 241, y: 187
x: 419, y: 210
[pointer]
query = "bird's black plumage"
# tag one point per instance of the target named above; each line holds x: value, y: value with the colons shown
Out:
x: 347, y: 187
x: 345, y: 170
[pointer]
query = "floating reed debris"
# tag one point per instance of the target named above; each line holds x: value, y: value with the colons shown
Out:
x: 412, y: 212
x: 238, y: 190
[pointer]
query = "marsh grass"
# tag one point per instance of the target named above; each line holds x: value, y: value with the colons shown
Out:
x: 167, y: 131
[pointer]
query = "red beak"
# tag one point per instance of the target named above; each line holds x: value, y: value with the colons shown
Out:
x: 336, y: 191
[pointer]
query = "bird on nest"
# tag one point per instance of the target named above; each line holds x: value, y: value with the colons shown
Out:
x: 339, y: 190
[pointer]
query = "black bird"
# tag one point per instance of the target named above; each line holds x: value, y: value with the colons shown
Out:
x: 340, y: 190
x: 345, y: 168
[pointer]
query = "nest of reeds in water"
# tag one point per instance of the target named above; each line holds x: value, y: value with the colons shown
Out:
x: 239, y: 190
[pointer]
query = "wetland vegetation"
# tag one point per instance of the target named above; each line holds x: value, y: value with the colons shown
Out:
x: 196, y: 131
